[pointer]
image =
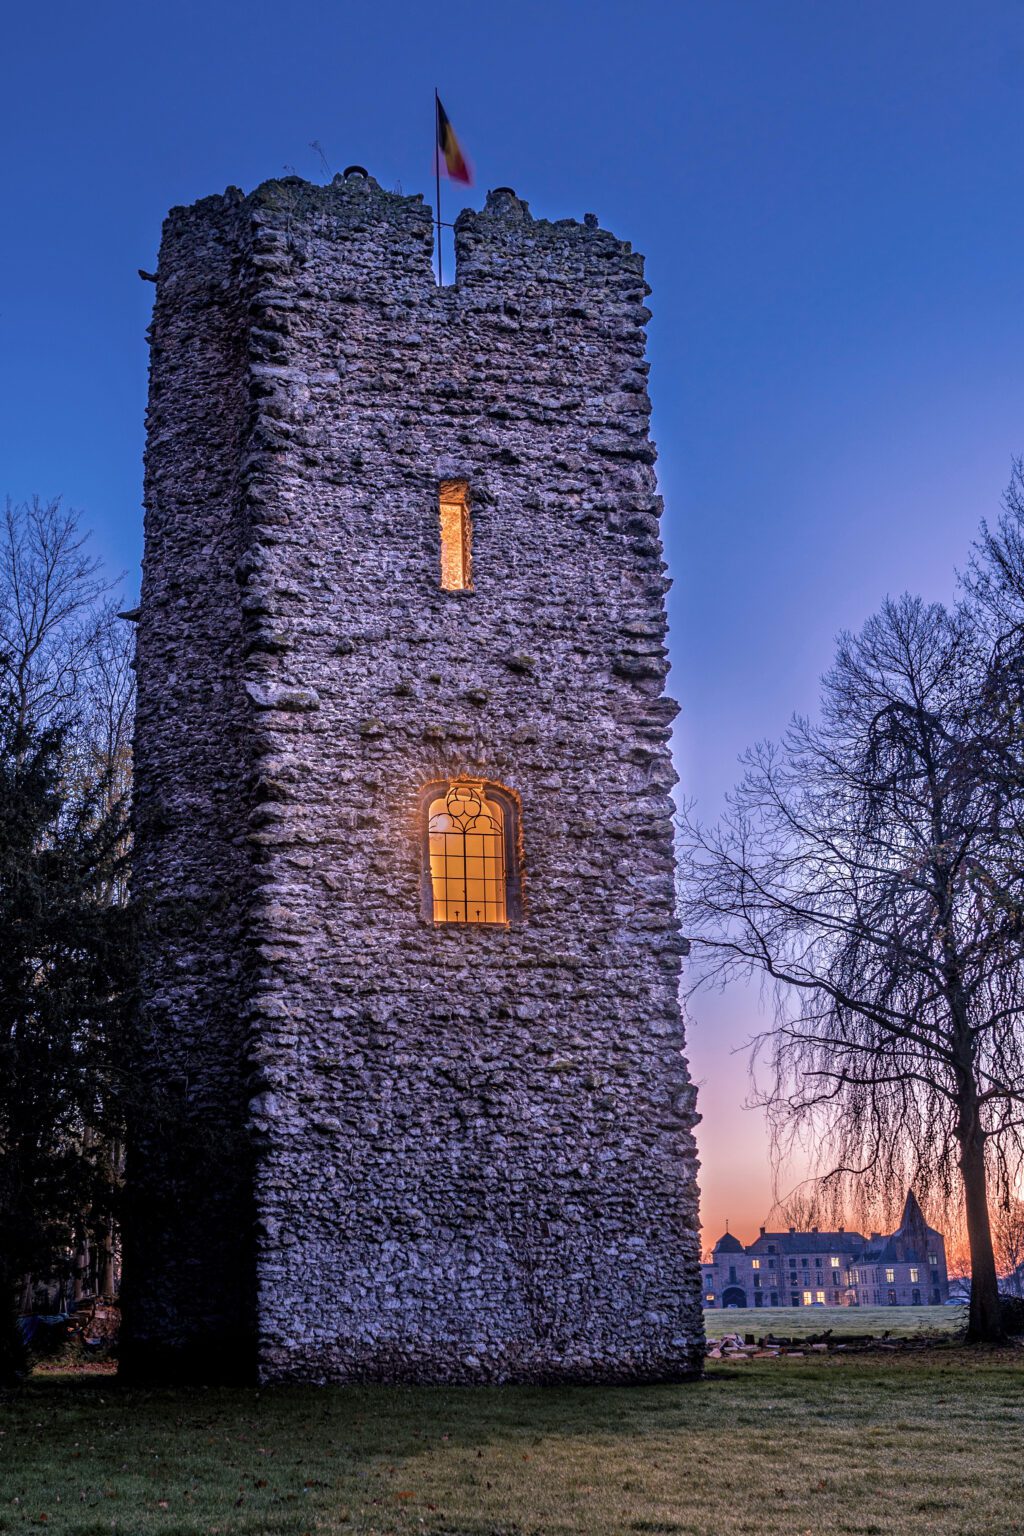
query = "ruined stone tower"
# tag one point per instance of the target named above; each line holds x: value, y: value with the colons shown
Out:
x: 416, y: 1103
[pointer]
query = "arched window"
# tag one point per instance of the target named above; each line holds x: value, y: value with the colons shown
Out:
x: 470, y: 874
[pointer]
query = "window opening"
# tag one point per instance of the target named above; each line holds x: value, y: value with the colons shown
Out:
x: 467, y: 857
x: 456, y: 536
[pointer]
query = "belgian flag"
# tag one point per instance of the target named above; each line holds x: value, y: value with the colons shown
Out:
x: 455, y: 165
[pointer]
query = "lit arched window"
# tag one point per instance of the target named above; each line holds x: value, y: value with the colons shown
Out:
x: 468, y: 849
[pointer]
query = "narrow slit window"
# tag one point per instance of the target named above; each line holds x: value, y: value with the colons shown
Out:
x: 456, y: 536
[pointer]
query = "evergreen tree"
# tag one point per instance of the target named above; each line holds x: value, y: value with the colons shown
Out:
x: 65, y: 944
x: 64, y: 971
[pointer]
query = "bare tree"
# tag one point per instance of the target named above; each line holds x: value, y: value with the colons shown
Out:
x: 994, y: 583
x: 1009, y: 1236
x: 860, y: 867
x: 804, y: 1210
x: 51, y: 610
x: 995, y: 575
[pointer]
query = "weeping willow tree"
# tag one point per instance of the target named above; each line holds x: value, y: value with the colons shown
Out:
x: 864, y: 865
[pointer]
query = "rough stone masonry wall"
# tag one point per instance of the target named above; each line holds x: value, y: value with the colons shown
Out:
x: 473, y: 1145
x: 188, y: 1267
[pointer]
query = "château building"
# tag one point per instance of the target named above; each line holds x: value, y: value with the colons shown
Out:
x: 833, y: 1269
x: 415, y: 1104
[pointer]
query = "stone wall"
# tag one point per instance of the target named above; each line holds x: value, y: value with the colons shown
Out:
x: 189, y: 1286
x: 471, y: 1146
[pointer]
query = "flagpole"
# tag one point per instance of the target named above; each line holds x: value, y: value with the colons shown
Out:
x: 437, y: 175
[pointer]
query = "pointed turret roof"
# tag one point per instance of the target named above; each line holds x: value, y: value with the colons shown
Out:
x: 910, y: 1239
x: 912, y: 1212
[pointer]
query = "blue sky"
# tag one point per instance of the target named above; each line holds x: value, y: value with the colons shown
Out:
x: 829, y: 199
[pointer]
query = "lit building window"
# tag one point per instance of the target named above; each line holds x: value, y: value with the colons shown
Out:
x: 755, y: 1263
x: 890, y: 1274
x: 933, y: 1259
x: 467, y: 857
x: 456, y: 536
x: 819, y: 1296
x: 709, y: 1296
x: 808, y: 1298
x: 834, y: 1262
x: 913, y: 1276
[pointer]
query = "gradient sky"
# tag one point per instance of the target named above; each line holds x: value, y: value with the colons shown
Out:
x: 829, y: 198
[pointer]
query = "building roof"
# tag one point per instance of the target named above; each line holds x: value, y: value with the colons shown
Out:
x: 728, y: 1244
x: 808, y: 1242
x: 909, y: 1243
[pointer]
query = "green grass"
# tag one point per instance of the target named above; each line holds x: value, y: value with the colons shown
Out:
x: 890, y: 1445
x: 799, y: 1322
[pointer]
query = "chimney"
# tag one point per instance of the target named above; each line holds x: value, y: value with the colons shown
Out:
x: 792, y: 1229
x: 762, y: 1231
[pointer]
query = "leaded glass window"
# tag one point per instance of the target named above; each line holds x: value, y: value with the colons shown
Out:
x: 467, y: 857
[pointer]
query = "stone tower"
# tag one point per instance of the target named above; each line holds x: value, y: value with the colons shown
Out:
x: 416, y: 1106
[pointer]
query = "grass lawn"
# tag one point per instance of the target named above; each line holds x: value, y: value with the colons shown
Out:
x: 887, y: 1445
x: 799, y: 1322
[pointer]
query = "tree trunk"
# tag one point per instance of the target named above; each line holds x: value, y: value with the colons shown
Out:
x: 105, y: 1281
x: 985, y: 1323
x: 82, y: 1266
x: 13, y: 1355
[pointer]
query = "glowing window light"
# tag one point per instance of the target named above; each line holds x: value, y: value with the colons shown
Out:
x: 456, y: 536
x: 467, y: 857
